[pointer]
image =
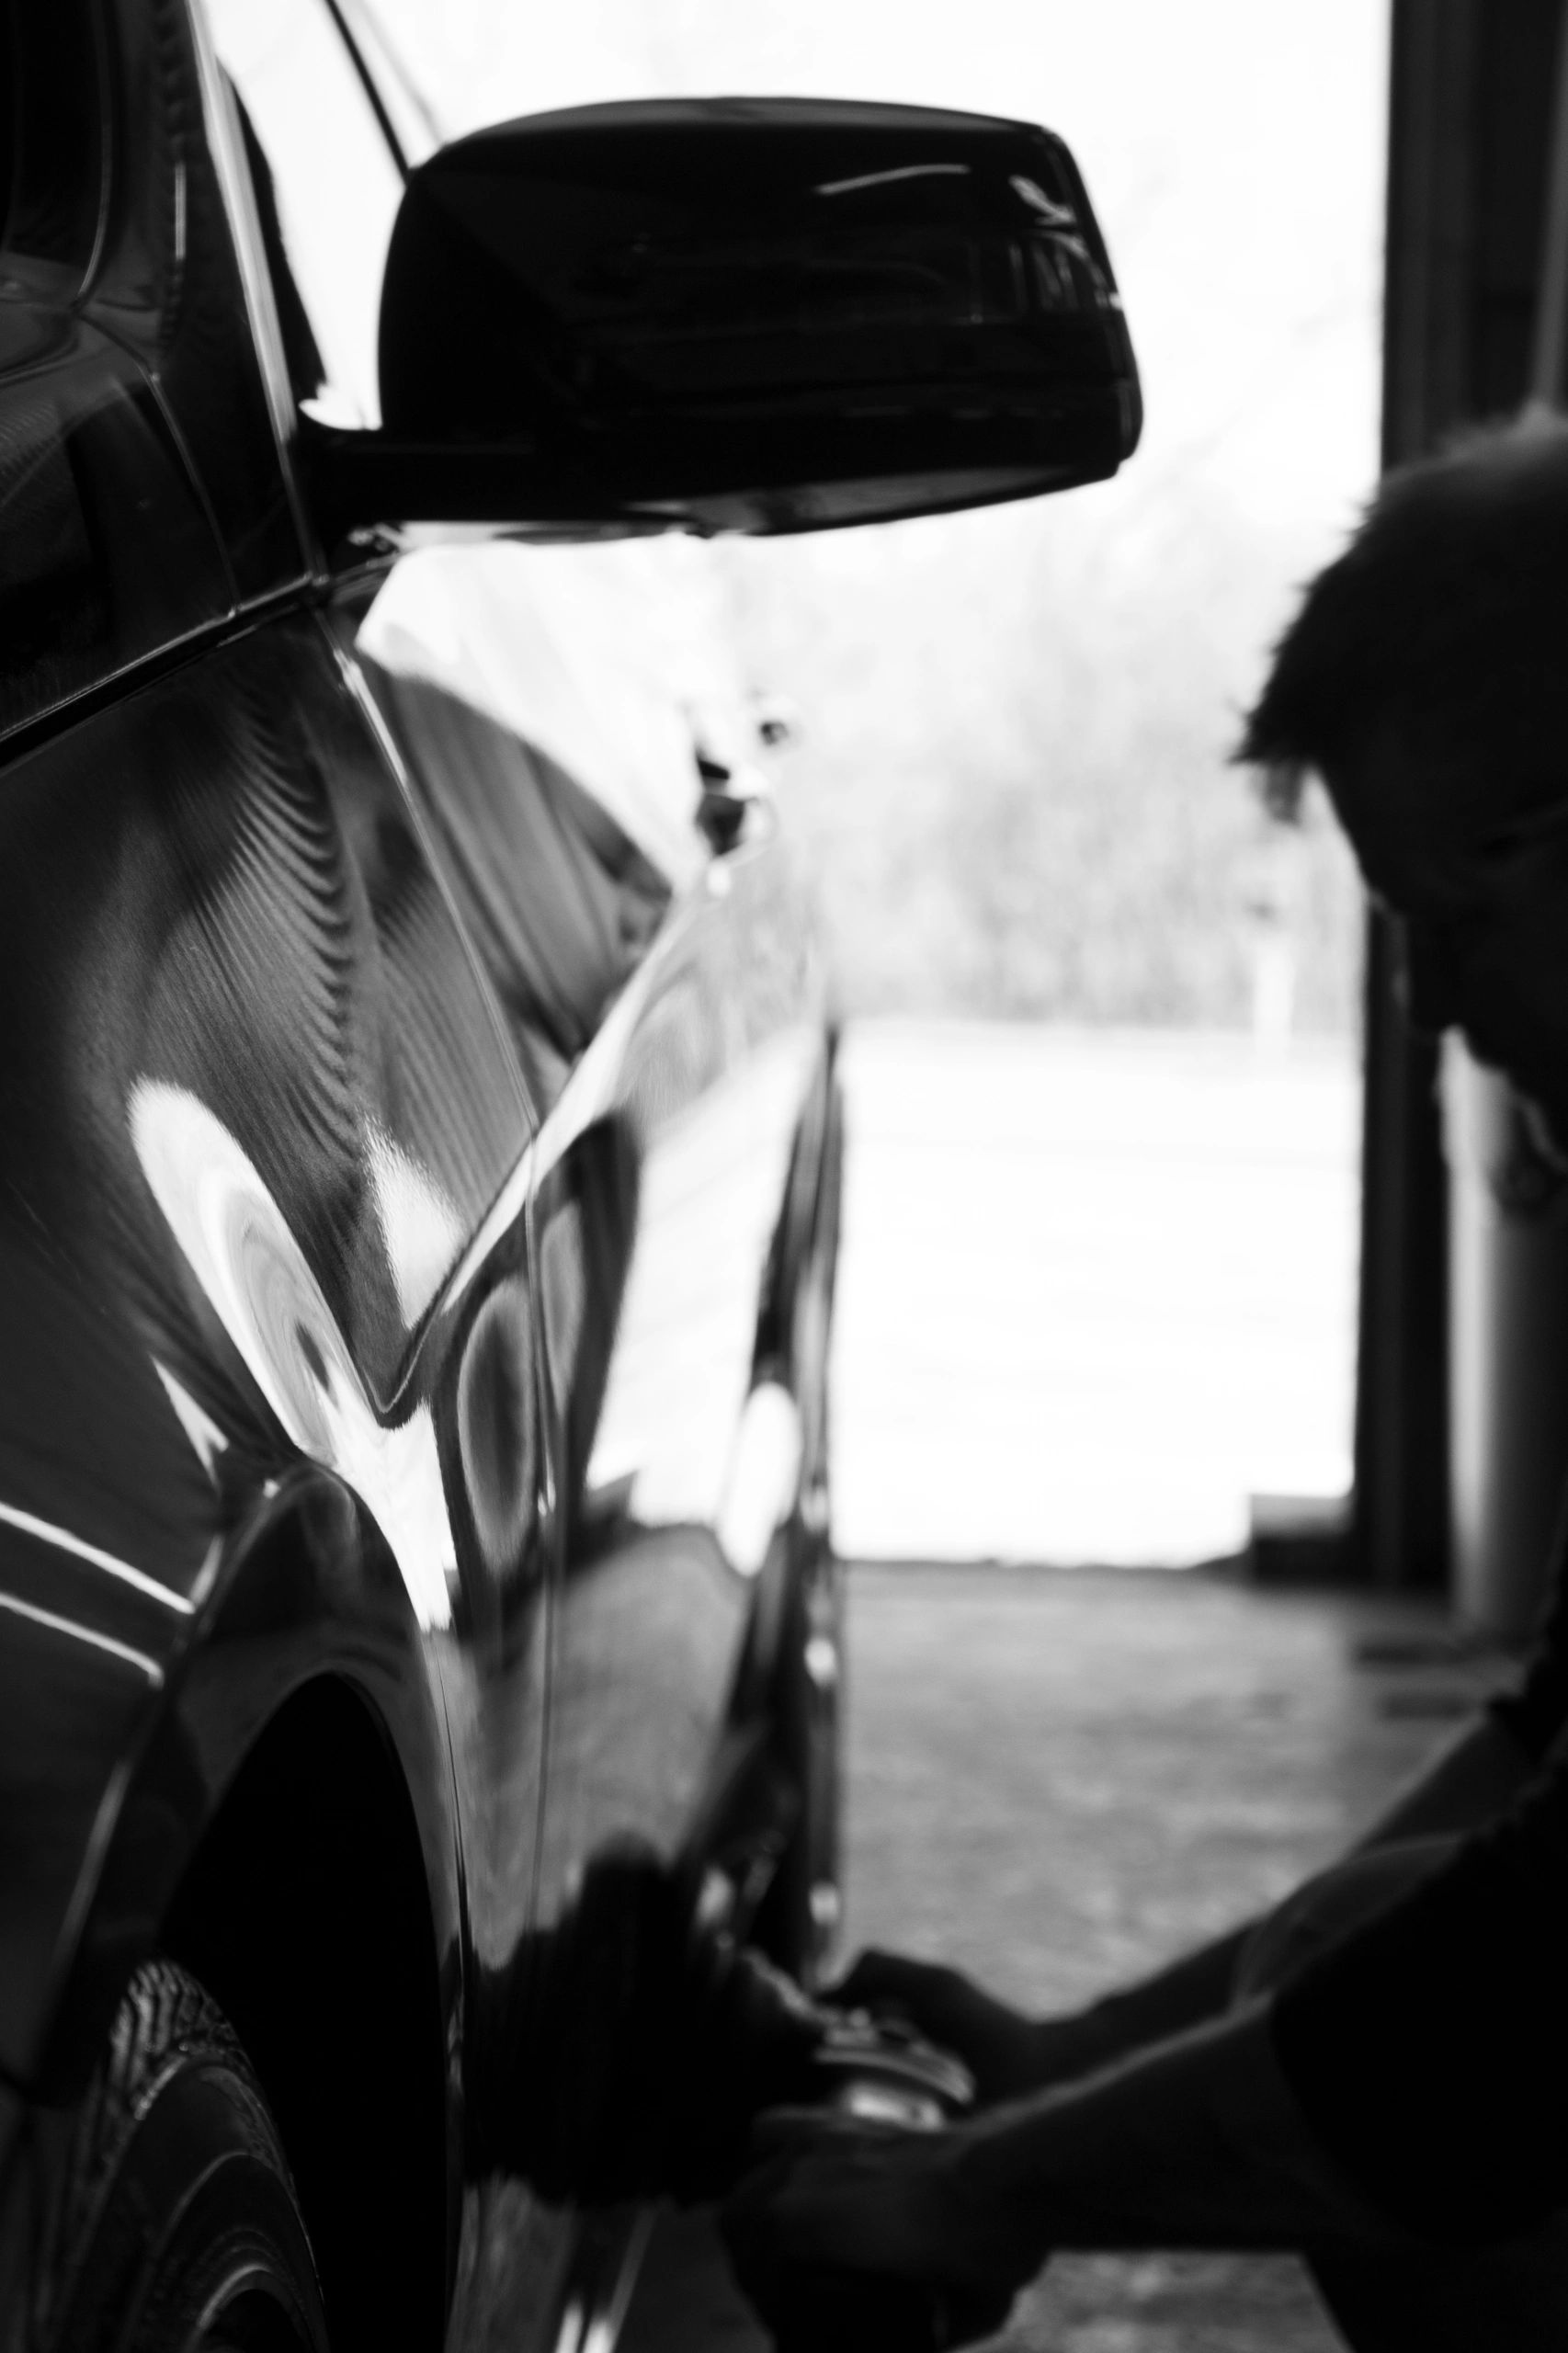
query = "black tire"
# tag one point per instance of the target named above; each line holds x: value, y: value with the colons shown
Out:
x: 178, y: 2230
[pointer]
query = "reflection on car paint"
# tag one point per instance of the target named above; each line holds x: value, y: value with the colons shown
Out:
x: 55, y: 1624
x: 43, y: 1532
x: 323, y: 1359
x: 704, y: 1090
x: 564, y: 651
x: 208, y: 1441
x: 108, y: 553
x: 253, y: 1271
x: 307, y: 1347
x: 711, y: 1182
x: 670, y: 1037
x: 763, y: 1478
x: 171, y: 287
x: 219, y: 941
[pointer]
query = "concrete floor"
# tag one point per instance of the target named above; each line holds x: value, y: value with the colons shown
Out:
x: 1058, y: 1778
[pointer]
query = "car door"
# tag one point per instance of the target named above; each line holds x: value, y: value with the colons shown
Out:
x: 258, y: 1100
x: 592, y: 1366
x: 660, y: 994
x: 392, y: 1176
x: 660, y: 989
x: 106, y: 555
x: 107, y: 552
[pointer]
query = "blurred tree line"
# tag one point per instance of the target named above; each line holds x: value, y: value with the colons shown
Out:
x: 1016, y: 725
x: 1013, y: 775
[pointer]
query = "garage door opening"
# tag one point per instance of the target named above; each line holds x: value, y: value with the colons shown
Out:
x: 1103, y: 1022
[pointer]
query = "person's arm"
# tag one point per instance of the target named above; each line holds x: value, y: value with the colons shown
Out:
x: 1197, y: 2141
x: 1472, y: 1781
x: 1011, y: 2054
x: 1428, y: 2049
x: 1469, y: 1781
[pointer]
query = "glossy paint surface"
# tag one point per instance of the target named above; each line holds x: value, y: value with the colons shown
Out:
x: 403, y: 1212
x: 141, y: 498
x: 107, y: 552
x: 255, y: 1104
x: 663, y: 1009
x: 181, y: 276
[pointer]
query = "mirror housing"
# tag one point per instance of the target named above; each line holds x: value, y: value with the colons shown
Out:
x: 754, y: 315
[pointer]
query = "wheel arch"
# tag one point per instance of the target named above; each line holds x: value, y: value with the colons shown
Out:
x: 283, y: 1826
x: 304, y: 1910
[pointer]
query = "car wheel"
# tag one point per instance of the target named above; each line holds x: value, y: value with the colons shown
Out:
x: 798, y: 1921
x: 179, y: 2228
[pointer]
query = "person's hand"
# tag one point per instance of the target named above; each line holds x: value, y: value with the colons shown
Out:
x: 836, y: 2203
x: 1007, y: 2054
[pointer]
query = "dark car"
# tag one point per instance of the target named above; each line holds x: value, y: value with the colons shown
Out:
x: 419, y: 1147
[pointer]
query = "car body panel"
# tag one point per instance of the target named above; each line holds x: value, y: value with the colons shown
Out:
x: 679, y: 1176
x: 666, y: 1010
x: 256, y: 1103
x: 412, y: 1145
x: 109, y: 553
x: 170, y: 288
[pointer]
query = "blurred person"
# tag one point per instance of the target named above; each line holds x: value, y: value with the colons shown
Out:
x: 1376, y: 2074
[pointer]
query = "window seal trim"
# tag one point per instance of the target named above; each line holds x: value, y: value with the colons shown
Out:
x: 266, y: 335
x: 367, y: 82
x: 108, y: 149
x: 145, y: 669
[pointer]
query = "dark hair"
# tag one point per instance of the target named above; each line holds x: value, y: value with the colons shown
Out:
x: 1446, y: 619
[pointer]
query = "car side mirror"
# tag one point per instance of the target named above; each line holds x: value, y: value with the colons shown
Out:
x: 754, y: 315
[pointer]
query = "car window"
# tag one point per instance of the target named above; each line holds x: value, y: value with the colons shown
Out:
x: 52, y: 146
x: 107, y: 553
x: 319, y: 155
x: 167, y: 279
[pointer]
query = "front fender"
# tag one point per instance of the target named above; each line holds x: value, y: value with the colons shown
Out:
x: 129, y: 1756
